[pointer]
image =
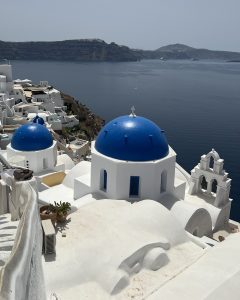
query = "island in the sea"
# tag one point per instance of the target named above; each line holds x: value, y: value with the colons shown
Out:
x: 99, y: 50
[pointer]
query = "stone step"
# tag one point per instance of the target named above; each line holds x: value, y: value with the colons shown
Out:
x: 7, y: 238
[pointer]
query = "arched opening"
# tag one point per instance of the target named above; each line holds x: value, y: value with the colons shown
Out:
x: 211, y: 162
x: 163, y: 186
x: 134, y: 186
x: 204, y: 183
x: 214, y: 186
x: 103, y: 180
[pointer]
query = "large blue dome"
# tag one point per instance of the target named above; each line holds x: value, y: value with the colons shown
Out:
x: 132, y: 138
x: 31, y: 137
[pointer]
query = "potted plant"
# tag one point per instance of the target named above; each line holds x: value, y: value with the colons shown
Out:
x: 62, y: 209
x: 56, y: 212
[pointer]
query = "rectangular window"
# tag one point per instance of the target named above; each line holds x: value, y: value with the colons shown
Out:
x: 134, y: 186
x: 104, y: 179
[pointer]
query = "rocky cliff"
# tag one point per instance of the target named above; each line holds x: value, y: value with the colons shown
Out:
x: 69, y: 50
x: 89, y: 123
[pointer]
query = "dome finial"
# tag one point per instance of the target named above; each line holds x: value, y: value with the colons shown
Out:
x: 132, y: 112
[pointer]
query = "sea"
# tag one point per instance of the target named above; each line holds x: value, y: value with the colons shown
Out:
x: 197, y: 103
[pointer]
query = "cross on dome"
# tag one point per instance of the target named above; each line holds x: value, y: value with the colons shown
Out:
x: 132, y: 112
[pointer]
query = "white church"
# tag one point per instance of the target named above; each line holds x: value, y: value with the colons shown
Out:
x: 141, y: 227
x: 132, y: 161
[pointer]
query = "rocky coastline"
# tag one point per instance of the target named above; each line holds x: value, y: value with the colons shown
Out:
x: 89, y: 123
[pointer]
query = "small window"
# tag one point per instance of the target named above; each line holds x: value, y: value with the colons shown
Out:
x: 103, y: 180
x: 134, y: 186
x: 163, y: 186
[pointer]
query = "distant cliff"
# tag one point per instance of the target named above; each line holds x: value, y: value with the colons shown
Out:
x: 180, y: 51
x: 69, y: 50
x: 98, y: 50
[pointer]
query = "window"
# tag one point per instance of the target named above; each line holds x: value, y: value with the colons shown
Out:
x: 103, y: 180
x: 134, y: 186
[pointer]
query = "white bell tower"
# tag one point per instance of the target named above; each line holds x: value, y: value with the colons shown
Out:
x: 210, y: 179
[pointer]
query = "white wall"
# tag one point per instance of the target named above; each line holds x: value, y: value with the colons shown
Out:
x: 6, y: 70
x: 119, y: 172
x: 3, y: 84
x: 56, y: 97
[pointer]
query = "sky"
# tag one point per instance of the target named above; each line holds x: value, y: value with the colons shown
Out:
x: 143, y: 24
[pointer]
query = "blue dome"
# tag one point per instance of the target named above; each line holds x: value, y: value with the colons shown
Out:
x: 38, y: 120
x: 132, y: 138
x: 31, y: 137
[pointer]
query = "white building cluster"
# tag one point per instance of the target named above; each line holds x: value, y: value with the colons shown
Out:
x: 141, y: 227
x: 20, y: 101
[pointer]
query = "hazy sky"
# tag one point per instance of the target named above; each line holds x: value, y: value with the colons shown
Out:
x: 146, y: 24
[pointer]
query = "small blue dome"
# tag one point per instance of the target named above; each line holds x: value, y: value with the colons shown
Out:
x: 38, y: 120
x: 31, y: 137
x: 132, y: 138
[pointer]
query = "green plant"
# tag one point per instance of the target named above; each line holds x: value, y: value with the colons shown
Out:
x: 61, y: 208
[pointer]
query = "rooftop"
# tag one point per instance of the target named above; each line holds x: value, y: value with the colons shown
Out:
x: 92, y: 259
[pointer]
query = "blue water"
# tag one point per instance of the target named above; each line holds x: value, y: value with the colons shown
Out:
x: 196, y: 103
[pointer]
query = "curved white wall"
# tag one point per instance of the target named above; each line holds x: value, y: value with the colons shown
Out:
x: 196, y: 220
x: 37, y: 161
x: 119, y: 173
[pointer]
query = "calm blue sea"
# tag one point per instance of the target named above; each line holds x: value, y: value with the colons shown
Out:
x: 196, y: 103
